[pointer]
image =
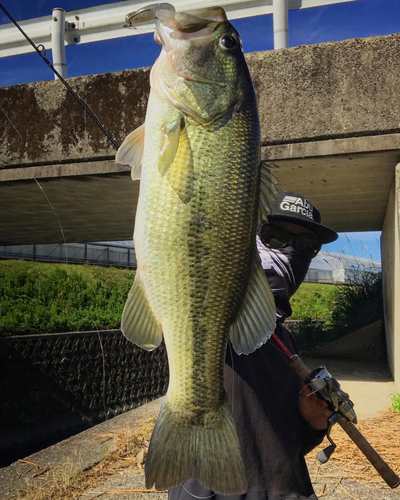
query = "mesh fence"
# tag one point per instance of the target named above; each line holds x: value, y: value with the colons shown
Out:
x: 99, y: 374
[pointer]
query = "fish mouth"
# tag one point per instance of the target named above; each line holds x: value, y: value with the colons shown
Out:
x: 165, y: 12
x: 178, y: 21
x: 180, y: 26
x: 173, y: 31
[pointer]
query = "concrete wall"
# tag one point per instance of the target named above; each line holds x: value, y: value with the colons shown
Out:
x: 307, y: 93
x: 390, y: 244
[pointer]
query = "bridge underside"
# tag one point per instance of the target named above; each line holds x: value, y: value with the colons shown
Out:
x: 351, y: 191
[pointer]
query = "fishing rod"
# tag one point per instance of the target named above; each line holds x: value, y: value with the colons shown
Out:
x: 327, y: 388
x: 42, y: 53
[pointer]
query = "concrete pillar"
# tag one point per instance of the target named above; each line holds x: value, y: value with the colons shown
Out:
x: 390, y: 245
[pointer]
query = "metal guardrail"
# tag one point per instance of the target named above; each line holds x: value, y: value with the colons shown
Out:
x: 104, y: 22
x: 73, y: 253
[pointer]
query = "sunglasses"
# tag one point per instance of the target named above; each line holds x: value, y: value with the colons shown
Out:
x: 305, y: 244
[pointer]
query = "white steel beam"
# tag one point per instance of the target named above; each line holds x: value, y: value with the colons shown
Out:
x: 281, y: 24
x: 106, y: 21
x: 57, y: 42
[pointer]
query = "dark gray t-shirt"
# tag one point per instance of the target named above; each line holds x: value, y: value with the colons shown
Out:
x: 263, y: 393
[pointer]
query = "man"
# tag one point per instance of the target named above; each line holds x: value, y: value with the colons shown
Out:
x: 278, y: 420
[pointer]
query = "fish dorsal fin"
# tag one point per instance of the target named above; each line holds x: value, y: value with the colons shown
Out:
x: 257, y: 317
x: 131, y: 151
x: 166, y: 156
x: 138, y: 323
x: 181, y: 173
x: 267, y: 191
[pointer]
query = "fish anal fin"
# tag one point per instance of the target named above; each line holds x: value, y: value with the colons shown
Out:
x: 267, y: 191
x: 181, y: 173
x: 138, y: 323
x: 256, y: 319
x: 131, y: 151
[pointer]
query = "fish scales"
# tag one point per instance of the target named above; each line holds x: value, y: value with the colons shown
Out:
x: 202, y: 254
x: 198, y: 280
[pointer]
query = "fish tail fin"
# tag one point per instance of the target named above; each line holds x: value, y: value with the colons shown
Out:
x: 180, y: 449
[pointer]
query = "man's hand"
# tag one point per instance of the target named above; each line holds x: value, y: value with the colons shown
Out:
x: 314, y: 411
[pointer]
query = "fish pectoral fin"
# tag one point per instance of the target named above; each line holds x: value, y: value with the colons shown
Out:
x: 267, y: 191
x: 138, y: 323
x: 131, y: 151
x: 171, y: 134
x: 256, y: 319
x: 181, y: 172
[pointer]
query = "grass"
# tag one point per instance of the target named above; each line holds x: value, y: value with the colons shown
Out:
x: 44, y: 298
x: 396, y: 403
x: 313, y: 301
x: 339, y: 309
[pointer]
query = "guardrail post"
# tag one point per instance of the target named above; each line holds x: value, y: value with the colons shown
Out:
x: 57, y: 42
x: 281, y: 24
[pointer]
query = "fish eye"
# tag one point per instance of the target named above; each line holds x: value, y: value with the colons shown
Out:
x: 228, y: 42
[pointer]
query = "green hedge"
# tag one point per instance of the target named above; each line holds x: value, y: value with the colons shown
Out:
x: 314, y: 301
x: 43, y: 298
x: 340, y: 309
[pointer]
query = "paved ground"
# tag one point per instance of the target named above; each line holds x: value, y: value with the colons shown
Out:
x: 331, y: 486
x: 370, y: 389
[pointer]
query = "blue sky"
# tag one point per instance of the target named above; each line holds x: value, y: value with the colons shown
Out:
x: 366, y: 244
x: 362, y: 18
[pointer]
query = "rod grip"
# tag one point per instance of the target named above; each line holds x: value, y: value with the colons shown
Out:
x: 298, y: 365
x: 387, y: 474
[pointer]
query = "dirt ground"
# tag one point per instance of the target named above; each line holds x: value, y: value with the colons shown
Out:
x: 106, y: 461
x: 119, y: 474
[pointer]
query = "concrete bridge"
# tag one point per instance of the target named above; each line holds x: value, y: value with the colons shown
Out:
x: 330, y: 117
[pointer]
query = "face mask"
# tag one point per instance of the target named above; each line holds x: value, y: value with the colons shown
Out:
x: 285, y: 270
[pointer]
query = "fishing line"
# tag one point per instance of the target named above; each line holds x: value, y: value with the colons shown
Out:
x: 195, y: 496
x: 97, y: 328
x: 104, y: 374
x: 14, y: 127
x: 40, y: 49
x: 233, y: 373
x: 58, y: 220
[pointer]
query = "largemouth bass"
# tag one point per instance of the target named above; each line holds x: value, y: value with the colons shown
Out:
x: 203, y: 192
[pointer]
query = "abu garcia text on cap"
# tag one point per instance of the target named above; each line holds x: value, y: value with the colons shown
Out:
x: 297, y: 205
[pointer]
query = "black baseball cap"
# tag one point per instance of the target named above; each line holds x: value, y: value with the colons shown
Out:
x: 294, y: 208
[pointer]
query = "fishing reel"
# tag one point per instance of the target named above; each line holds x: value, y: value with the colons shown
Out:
x: 327, y: 388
